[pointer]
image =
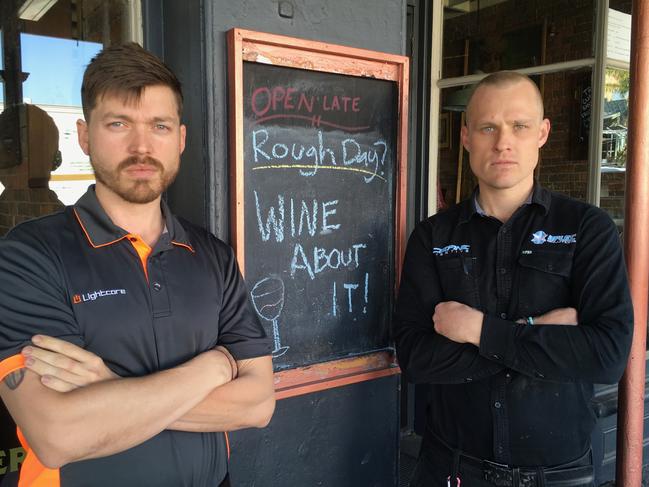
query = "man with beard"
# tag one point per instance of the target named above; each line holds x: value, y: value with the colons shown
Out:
x: 127, y: 340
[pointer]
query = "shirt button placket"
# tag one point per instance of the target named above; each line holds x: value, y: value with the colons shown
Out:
x: 500, y: 421
x: 502, y: 269
x: 159, y: 290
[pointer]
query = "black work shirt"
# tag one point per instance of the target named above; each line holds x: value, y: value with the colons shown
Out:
x: 521, y: 398
x: 76, y: 276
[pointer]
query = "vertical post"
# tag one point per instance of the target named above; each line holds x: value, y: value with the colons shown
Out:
x: 636, y: 247
x: 437, y: 35
x: 13, y: 73
x: 13, y: 78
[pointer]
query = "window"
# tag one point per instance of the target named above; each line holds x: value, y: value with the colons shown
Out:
x: 616, y: 111
x: 551, y: 41
x: 52, y: 49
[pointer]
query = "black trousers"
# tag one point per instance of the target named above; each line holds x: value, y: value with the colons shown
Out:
x: 436, y: 464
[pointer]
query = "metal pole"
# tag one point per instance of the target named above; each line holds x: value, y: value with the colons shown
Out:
x: 636, y: 247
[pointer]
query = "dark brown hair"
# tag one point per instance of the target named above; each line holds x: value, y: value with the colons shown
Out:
x: 125, y: 70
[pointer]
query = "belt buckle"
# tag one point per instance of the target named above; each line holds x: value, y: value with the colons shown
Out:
x: 500, y: 476
x: 527, y: 479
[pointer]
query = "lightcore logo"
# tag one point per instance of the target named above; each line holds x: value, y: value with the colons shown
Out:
x: 94, y: 295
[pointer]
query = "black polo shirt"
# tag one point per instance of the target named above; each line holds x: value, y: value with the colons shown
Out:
x: 523, y: 397
x: 77, y: 276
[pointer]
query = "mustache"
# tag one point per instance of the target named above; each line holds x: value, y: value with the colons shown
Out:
x: 135, y: 160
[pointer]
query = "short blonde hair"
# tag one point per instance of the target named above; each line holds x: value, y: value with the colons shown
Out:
x: 505, y: 78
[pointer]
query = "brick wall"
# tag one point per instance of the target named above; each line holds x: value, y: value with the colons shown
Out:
x: 569, y: 33
x: 612, y: 195
x: 26, y: 194
x: 19, y: 202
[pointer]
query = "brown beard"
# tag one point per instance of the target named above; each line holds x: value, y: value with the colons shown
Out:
x: 139, y: 192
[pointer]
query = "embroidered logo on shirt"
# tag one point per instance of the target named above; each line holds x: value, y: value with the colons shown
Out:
x: 452, y: 249
x: 541, y: 237
x: 94, y: 295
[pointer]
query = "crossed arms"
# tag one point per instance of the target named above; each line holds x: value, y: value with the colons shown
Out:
x: 463, y: 324
x: 444, y: 342
x: 71, y: 407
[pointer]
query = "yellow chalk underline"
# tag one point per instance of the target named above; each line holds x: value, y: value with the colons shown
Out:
x: 305, y: 166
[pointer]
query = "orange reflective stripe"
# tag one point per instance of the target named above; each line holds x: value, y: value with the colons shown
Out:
x: 32, y: 472
x: 21, y: 438
x: 227, y: 443
x: 11, y: 364
x: 142, y: 249
x: 188, y: 247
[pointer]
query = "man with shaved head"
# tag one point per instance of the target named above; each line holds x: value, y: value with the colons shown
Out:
x: 512, y: 304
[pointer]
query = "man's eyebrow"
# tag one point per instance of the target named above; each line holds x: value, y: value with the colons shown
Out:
x: 122, y: 116
x: 117, y: 115
x: 169, y: 119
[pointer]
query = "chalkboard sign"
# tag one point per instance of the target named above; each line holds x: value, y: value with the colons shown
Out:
x: 317, y: 208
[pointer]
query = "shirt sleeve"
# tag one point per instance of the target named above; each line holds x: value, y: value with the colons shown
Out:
x: 424, y: 355
x: 33, y: 299
x: 239, y: 328
x: 595, y: 350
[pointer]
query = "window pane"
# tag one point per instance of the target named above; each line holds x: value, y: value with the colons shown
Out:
x: 483, y: 36
x: 52, y: 52
x: 454, y: 172
x: 614, y: 143
x: 61, y: 62
x: 563, y: 165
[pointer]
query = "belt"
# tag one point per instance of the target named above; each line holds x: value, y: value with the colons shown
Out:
x: 578, y: 472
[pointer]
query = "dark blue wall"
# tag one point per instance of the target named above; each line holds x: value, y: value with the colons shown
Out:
x: 339, y: 437
x: 191, y: 37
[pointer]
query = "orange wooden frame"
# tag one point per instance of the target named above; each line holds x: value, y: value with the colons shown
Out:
x: 246, y: 45
x: 336, y: 373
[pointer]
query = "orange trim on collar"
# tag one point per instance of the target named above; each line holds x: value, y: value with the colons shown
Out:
x: 188, y: 247
x: 88, y: 235
x: 227, y: 443
x: 11, y: 364
x: 143, y: 251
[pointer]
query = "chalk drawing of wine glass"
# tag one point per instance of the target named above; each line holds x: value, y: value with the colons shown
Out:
x: 268, y: 300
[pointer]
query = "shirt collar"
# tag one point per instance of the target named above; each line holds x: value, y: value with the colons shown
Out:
x: 539, y: 196
x: 101, y: 231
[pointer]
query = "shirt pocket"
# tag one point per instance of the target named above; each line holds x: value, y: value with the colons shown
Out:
x: 544, y: 281
x: 458, y: 278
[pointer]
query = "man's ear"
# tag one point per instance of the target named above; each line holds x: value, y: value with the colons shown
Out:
x: 183, y: 136
x: 544, y: 132
x: 464, y: 135
x: 82, y: 135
